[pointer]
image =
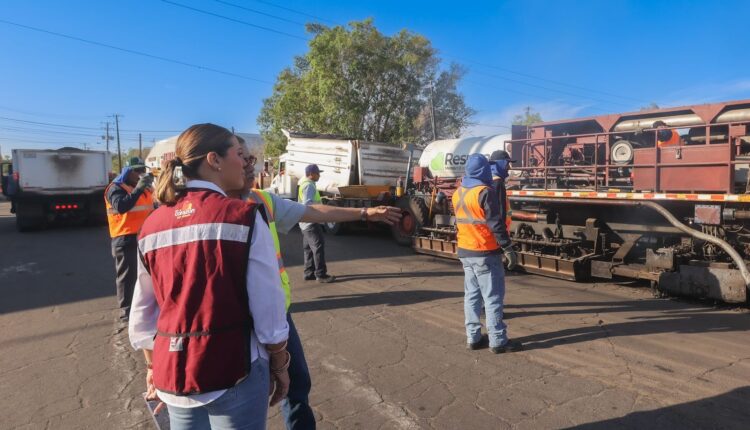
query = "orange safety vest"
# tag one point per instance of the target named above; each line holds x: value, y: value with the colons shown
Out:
x: 131, y: 221
x: 674, y: 140
x: 473, y: 232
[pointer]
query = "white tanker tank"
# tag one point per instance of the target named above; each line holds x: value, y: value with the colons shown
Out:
x: 447, y: 158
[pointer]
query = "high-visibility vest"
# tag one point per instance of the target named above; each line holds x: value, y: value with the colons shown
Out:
x: 196, y: 254
x: 131, y: 221
x: 307, y: 182
x: 473, y: 232
x: 673, y: 140
x: 264, y: 198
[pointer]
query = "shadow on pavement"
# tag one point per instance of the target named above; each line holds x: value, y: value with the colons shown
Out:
x: 667, y: 317
x: 389, y: 298
x: 362, y: 276
x: 730, y: 410
x: 52, y: 267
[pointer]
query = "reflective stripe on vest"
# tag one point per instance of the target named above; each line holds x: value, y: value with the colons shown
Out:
x: 260, y: 196
x: 471, y: 221
x: 302, y: 185
x: 196, y: 253
x: 121, y: 224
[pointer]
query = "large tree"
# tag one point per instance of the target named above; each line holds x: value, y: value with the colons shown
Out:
x: 356, y: 82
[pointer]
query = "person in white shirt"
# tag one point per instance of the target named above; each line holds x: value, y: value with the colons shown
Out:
x: 187, y: 286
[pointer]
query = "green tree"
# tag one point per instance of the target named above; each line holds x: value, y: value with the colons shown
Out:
x: 528, y: 117
x: 356, y: 82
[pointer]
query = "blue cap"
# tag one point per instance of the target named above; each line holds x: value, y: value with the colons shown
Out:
x: 312, y: 168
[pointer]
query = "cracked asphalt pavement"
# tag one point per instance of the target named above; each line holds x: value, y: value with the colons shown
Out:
x: 385, y: 345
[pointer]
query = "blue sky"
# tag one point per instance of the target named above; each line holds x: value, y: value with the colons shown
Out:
x: 564, y: 58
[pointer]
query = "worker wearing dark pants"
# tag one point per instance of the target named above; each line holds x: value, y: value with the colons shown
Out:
x: 129, y: 201
x: 313, y: 246
x: 313, y: 243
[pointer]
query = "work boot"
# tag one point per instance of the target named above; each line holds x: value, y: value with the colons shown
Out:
x: 327, y: 279
x: 481, y: 343
x: 510, y: 346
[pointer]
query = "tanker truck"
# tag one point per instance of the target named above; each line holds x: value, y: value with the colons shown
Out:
x: 440, y: 166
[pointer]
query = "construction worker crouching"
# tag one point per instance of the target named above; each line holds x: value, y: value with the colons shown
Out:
x: 482, y: 239
x: 129, y: 200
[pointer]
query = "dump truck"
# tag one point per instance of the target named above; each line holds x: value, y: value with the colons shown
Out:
x: 55, y: 185
x: 354, y: 173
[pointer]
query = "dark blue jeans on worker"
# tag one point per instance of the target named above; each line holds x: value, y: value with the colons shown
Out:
x: 296, y: 407
x: 484, y: 283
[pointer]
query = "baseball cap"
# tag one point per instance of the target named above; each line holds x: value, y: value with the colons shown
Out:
x: 136, y: 163
x: 501, y: 155
x: 312, y: 168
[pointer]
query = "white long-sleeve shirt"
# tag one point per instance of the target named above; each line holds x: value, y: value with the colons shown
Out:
x: 265, y: 299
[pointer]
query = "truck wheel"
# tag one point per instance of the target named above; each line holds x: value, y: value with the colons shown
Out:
x: 336, y: 228
x: 25, y: 222
x: 414, y: 215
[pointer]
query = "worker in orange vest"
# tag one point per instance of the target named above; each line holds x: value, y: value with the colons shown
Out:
x: 500, y: 164
x: 129, y: 200
x: 482, y: 239
x: 666, y: 137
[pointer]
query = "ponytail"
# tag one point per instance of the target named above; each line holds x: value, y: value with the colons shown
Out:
x: 168, y: 187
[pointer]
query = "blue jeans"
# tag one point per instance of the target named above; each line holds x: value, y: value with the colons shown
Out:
x: 296, y: 407
x: 484, y: 281
x: 244, y: 406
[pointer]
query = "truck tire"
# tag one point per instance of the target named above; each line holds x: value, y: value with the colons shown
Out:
x: 414, y: 215
x: 335, y: 228
x: 25, y: 221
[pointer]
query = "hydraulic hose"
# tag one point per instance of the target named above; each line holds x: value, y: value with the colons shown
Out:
x: 736, y: 257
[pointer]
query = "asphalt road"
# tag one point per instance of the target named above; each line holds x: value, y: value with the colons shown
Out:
x: 385, y: 346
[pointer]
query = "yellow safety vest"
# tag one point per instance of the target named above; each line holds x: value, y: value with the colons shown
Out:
x: 304, y: 184
x: 264, y: 198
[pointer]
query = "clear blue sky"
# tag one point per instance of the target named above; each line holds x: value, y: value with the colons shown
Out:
x: 565, y: 58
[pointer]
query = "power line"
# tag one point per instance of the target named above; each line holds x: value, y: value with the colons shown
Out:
x: 134, y: 52
x: 288, y: 9
x: 47, y: 123
x: 46, y: 131
x: 245, y: 8
x: 526, y: 75
x: 483, y: 65
x: 48, y: 115
x: 552, y: 89
x: 238, y: 21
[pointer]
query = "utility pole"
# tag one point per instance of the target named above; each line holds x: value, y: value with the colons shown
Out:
x: 432, y: 114
x: 117, y: 128
x: 106, y: 136
x: 140, y: 146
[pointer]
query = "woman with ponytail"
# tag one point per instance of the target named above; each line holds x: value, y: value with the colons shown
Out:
x: 208, y: 310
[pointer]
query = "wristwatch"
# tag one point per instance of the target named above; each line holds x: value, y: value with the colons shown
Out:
x: 363, y: 214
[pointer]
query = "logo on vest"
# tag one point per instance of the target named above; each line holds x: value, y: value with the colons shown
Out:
x: 185, y: 211
x: 175, y: 344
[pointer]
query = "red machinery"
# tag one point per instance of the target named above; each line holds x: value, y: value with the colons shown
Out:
x: 599, y: 197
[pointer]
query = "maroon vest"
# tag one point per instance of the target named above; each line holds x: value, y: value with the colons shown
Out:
x: 197, y: 253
